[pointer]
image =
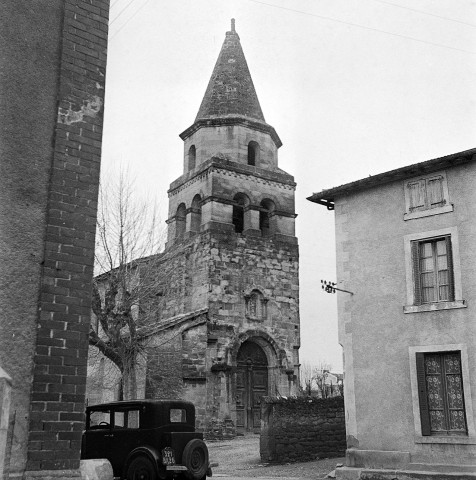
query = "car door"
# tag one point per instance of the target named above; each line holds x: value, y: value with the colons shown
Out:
x: 97, y: 437
x: 125, y: 434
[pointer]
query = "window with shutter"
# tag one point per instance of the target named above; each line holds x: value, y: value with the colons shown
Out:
x: 433, y: 275
x: 426, y: 196
x: 440, y: 391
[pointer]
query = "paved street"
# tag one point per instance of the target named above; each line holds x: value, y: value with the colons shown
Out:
x: 239, y: 459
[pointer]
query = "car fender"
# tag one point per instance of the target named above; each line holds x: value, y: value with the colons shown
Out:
x: 146, y: 450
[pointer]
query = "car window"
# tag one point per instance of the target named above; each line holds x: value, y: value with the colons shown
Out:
x: 133, y: 419
x: 126, y: 418
x: 178, y: 415
x: 99, y: 419
x: 119, y: 419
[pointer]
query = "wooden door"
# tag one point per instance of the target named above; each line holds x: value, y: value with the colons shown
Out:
x: 251, y: 385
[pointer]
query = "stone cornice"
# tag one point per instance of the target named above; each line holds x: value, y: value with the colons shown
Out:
x: 220, y: 121
x: 215, y: 164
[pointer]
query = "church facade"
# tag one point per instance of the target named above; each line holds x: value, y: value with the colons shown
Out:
x: 231, y: 333
x: 229, y: 330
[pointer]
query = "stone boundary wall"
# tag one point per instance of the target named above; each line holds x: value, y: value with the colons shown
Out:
x: 302, y: 428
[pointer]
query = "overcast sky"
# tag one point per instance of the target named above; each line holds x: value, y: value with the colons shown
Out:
x: 353, y: 88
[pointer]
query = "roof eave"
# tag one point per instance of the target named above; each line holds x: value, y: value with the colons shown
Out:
x: 327, y: 197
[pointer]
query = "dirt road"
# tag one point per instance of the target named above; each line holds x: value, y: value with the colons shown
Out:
x: 240, y: 457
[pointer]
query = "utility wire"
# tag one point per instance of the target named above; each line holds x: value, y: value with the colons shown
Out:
x: 130, y: 18
x: 113, y: 3
x: 426, y: 13
x: 120, y: 13
x: 362, y: 26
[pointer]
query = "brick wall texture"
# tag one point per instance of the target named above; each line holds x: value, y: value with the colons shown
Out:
x: 52, y: 99
x: 302, y: 428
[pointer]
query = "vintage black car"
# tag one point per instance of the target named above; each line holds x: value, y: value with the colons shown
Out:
x: 146, y: 439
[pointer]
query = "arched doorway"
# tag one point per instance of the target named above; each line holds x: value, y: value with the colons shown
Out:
x: 251, y: 385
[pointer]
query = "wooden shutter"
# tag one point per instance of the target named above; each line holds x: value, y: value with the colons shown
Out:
x: 416, y: 272
x: 422, y: 395
x: 417, y: 193
x: 435, y: 192
x: 451, y: 278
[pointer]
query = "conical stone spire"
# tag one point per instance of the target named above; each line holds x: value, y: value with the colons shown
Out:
x: 230, y: 91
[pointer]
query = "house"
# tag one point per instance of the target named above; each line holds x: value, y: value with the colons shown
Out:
x: 405, y: 244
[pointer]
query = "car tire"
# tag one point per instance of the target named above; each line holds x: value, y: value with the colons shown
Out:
x: 141, y: 468
x: 195, y: 458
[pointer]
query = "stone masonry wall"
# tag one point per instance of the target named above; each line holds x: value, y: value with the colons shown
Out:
x: 242, y: 264
x: 302, y: 428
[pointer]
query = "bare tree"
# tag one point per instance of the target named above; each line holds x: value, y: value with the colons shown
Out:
x: 321, y: 373
x: 307, y: 377
x: 128, y: 288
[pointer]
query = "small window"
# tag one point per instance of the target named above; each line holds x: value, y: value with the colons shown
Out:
x: 178, y: 415
x: 433, y: 270
x: 427, y: 196
x: 192, y: 157
x: 253, y: 153
x: 440, y: 391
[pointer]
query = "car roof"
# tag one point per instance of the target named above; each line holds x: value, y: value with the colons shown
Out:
x: 139, y: 402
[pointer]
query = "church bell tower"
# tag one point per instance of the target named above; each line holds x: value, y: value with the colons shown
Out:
x: 231, y: 241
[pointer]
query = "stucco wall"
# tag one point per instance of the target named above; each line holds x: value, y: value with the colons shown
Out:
x: 374, y: 330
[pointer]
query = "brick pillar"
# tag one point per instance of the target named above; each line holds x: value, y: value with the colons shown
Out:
x: 60, y: 363
x: 52, y: 97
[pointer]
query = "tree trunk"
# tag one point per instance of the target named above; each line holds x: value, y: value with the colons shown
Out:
x: 129, y: 380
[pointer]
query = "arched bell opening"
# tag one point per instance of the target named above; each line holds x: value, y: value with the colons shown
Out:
x: 240, y: 201
x: 196, y: 214
x: 180, y: 218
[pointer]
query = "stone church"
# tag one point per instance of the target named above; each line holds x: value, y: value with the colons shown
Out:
x: 229, y: 330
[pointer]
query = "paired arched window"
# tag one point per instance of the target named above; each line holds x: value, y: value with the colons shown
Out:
x: 253, y: 153
x: 196, y: 214
x: 266, y: 208
x: 192, y: 157
x: 240, y: 201
x: 180, y: 221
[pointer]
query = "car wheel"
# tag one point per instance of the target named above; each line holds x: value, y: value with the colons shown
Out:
x: 195, y: 458
x: 141, y: 468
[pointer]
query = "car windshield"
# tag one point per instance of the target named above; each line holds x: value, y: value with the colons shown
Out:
x: 99, y: 418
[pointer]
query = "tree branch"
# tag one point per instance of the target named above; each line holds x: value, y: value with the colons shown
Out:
x: 105, y: 349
